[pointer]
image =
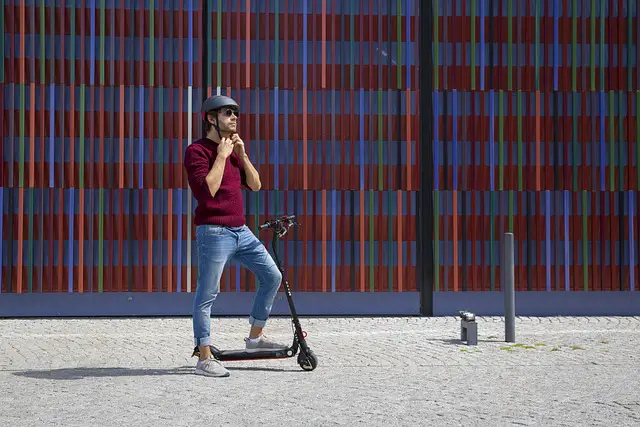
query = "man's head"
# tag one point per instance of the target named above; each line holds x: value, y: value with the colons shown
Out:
x: 221, y: 113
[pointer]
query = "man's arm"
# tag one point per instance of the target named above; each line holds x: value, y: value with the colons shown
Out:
x: 203, y: 179
x: 214, y: 177
x: 252, y: 176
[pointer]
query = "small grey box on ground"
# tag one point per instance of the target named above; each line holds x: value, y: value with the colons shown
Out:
x: 468, y: 328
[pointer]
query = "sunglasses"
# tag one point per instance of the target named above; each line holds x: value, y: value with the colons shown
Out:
x: 229, y: 111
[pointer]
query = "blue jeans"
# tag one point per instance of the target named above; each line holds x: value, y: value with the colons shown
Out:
x: 216, y: 246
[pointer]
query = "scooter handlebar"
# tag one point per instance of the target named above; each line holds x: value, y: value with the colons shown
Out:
x: 273, y: 223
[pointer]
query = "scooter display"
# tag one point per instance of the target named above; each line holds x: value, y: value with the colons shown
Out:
x: 306, y: 358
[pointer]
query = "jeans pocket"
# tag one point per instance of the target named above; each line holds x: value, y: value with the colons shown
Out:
x: 209, y: 230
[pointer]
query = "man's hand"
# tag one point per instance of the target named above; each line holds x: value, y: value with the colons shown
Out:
x: 238, y: 145
x: 225, y: 147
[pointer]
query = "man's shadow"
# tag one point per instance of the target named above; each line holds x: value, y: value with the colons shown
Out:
x: 81, y: 373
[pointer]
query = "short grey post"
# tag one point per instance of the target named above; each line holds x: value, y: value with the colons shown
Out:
x: 509, y: 289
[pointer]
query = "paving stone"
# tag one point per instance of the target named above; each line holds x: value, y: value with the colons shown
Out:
x: 372, y: 371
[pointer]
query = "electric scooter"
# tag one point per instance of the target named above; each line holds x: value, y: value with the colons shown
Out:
x: 306, y: 359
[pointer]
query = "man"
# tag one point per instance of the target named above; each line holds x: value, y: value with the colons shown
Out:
x: 218, y: 168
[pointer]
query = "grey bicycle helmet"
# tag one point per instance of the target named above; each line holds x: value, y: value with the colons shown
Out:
x: 216, y: 102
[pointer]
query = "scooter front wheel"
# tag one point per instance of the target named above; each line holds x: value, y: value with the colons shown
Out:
x: 307, y: 360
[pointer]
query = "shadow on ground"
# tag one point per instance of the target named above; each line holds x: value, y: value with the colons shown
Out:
x: 81, y: 373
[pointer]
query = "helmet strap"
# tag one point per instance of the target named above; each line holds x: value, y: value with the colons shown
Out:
x: 217, y: 126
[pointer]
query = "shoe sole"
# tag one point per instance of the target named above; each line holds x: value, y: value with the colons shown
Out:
x: 262, y: 349
x: 208, y: 374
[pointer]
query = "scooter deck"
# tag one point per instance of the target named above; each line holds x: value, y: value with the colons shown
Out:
x: 246, y: 355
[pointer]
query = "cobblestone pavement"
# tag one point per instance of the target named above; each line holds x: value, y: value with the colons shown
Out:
x: 380, y: 371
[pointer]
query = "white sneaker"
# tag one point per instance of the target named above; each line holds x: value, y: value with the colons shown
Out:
x: 262, y: 343
x: 211, y: 367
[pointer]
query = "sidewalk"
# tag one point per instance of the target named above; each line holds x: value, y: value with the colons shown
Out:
x: 373, y: 372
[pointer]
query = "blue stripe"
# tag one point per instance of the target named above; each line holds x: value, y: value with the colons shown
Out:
x: 566, y: 241
x: 555, y: 44
x: 141, y: 139
x: 276, y: 146
x: 286, y: 138
x: 454, y: 147
x: 333, y: 241
x: 237, y: 277
x: 547, y: 222
x: 190, y: 42
x: 178, y: 204
x: 71, y: 239
x: 304, y: 44
x: 436, y: 139
x: 52, y: 133
x: 492, y: 154
x: 92, y: 51
x: 632, y: 255
x: 480, y: 6
x: 361, y: 139
x: 603, y: 158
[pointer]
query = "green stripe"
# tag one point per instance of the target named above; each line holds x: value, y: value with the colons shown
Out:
x: 537, y: 49
x: 371, y: 257
x: 43, y: 43
x: 390, y: 241
x: 380, y: 139
x: 81, y: 150
x: 500, y: 140
x: 593, y: 45
x: 72, y: 45
x: 219, y: 44
x: 102, y: 33
x: 473, y: 45
x: 101, y: 240
x: 352, y: 46
x: 151, y: 42
x: 510, y: 211
x: 436, y: 231
x: 399, y: 42
x: 575, y: 141
x: 30, y: 246
x: 277, y: 42
x: 21, y: 148
x: 585, y: 243
x: 436, y: 44
x: 161, y: 136
x: 519, y: 96
x: 509, y: 43
x: 612, y: 134
x: 574, y: 48
x: 602, y: 29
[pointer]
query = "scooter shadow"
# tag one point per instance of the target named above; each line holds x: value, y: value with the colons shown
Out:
x: 67, y: 374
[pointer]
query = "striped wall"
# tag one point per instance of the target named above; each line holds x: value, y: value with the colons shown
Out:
x: 536, y: 133
x: 100, y: 99
x: 533, y: 121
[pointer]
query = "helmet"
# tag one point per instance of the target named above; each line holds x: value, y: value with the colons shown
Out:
x: 215, y: 102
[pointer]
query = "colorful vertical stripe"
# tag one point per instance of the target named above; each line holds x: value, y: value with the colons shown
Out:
x: 92, y: 180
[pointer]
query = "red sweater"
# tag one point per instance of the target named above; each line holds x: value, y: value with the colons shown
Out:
x: 227, y: 207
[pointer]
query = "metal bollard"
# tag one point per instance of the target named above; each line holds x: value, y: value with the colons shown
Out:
x: 468, y: 328
x: 509, y: 289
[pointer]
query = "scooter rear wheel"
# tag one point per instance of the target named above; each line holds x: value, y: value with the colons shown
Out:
x: 307, y: 360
